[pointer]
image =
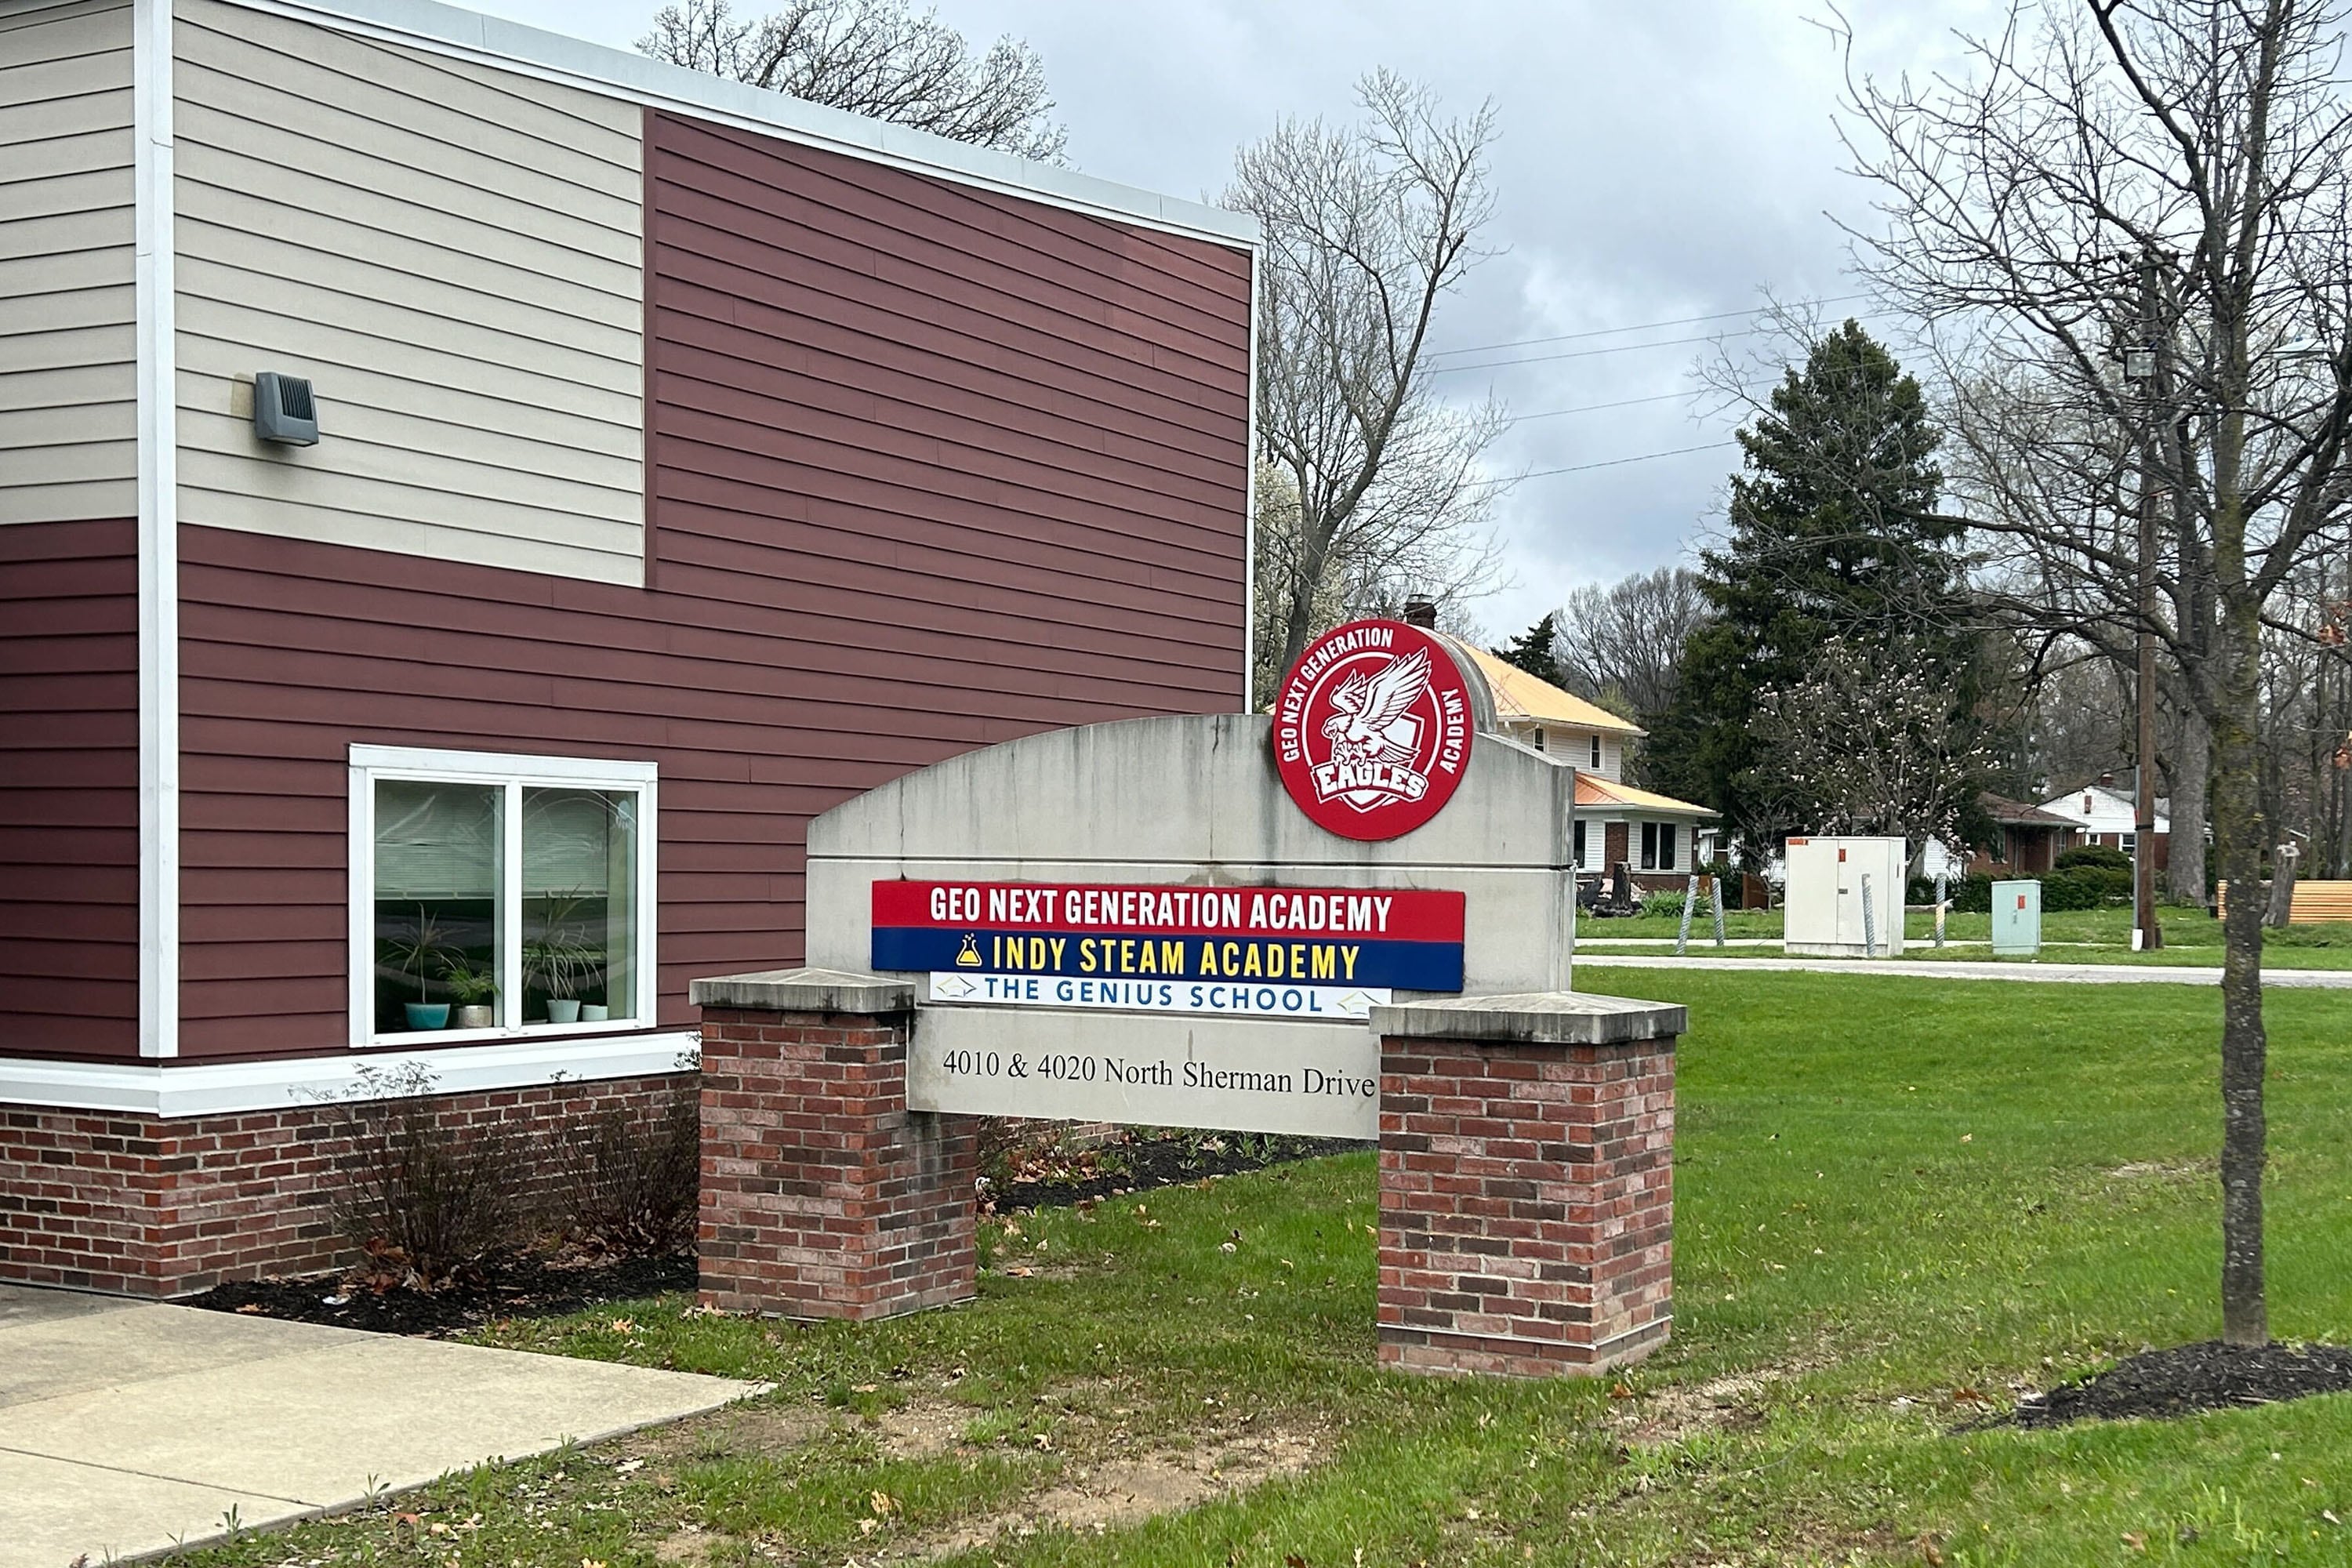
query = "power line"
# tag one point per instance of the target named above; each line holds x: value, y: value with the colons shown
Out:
x: 1611, y: 349
x: 1579, y: 353
x: 1644, y: 327
x: 1619, y: 462
x: 1626, y: 403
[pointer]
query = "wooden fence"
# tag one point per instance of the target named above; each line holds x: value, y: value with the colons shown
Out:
x: 2315, y: 902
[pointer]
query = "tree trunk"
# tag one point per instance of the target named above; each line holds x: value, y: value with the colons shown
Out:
x: 1298, y: 620
x: 2280, y: 912
x: 2239, y: 831
x: 2192, y: 773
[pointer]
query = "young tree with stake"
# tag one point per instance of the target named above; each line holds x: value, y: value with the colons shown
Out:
x: 2200, y: 146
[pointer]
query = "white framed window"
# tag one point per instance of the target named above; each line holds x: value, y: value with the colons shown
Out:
x: 497, y: 894
x: 1658, y: 846
x: 1596, y: 753
x: 2129, y: 843
x: 1536, y: 738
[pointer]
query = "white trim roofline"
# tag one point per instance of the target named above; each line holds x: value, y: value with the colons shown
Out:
x: 227, y: 1089
x: 619, y: 73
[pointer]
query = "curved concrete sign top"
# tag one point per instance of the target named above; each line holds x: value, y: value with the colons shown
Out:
x: 1136, y: 921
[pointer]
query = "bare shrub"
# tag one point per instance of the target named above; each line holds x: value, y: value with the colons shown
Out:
x: 630, y: 1182
x: 423, y: 1193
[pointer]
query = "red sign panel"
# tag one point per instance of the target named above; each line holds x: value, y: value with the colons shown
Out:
x: 1383, y: 937
x: 1394, y: 914
x: 1371, y: 729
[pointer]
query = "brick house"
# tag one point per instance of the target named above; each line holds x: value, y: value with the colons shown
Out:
x: 687, y: 459
x: 2031, y: 839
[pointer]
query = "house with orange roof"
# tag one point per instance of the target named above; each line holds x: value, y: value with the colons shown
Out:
x: 1661, y: 840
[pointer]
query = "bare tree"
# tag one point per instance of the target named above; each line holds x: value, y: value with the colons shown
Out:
x: 1626, y: 638
x: 880, y: 58
x: 2127, y: 229
x: 2308, y: 705
x: 2027, y: 446
x: 1366, y: 228
x: 1277, y: 543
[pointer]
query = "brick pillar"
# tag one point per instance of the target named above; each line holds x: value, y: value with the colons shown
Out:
x: 823, y: 1196
x: 1527, y: 1182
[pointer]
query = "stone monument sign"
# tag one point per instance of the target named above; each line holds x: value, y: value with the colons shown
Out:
x: 1352, y: 917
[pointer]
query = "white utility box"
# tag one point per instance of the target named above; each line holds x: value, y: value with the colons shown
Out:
x: 1824, y: 896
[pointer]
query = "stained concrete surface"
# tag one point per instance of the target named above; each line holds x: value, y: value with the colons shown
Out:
x: 128, y: 1427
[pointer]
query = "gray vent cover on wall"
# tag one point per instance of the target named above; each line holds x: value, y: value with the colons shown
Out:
x: 284, y: 410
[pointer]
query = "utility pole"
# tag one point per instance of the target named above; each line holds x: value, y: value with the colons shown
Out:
x: 2140, y: 369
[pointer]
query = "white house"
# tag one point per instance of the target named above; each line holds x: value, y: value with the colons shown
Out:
x: 2108, y: 815
x: 1662, y: 839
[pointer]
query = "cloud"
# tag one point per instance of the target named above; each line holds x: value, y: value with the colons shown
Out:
x: 1658, y: 161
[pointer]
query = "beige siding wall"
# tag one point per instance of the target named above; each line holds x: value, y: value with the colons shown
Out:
x: 69, y: 398
x: 1575, y: 747
x: 453, y: 255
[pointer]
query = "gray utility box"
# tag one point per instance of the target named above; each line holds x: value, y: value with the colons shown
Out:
x: 2016, y: 919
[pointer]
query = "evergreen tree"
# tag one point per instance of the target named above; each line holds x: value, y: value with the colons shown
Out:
x: 1835, y: 531
x: 1531, y: 650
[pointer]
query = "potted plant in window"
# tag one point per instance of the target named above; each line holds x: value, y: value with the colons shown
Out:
x: 557, y: 963
x: 558, y: 959
x: 419, y: 948
x: 474, y: 992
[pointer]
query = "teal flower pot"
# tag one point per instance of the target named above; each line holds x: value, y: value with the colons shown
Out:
x: 427, y: 1015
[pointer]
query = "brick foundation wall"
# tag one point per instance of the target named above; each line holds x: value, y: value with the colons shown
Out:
x: 1527, y: 1204
x: 823, y: 1196
x: 148, y: 1206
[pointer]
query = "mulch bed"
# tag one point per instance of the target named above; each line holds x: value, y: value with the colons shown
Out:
x: 2186, y: 1379
x: 506, y: 1285
x: 526, y: 1284
x: 1143, y: 1165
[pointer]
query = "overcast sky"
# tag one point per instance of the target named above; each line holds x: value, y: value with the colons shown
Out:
x: 1659, y: 161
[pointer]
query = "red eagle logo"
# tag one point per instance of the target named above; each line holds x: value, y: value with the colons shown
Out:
x: 1371, y: 729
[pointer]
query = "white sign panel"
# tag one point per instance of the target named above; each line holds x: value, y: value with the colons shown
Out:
x: 1245, y: 1073
x: 1311, y: 1003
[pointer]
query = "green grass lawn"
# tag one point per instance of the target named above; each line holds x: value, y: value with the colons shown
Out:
x: 2069, y: 936
x: 1899, y: 1201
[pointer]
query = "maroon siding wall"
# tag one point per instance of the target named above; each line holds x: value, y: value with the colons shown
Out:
x: 69, y: 789
x: 930, y: 468
x: 983, y: 416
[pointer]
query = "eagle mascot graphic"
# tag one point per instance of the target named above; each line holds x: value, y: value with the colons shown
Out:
x: 1370, y: 725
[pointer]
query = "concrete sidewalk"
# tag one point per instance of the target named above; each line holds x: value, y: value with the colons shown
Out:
x: 1963, y: 969
x: 129, y: 1426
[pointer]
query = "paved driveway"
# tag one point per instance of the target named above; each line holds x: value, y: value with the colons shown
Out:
x: 127, y: 1426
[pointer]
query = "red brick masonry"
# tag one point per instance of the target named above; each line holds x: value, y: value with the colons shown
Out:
x: 1526, y: 1185
x: 150, y: 1205
x: 1526, y: 1158
x: 823, y: 1196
